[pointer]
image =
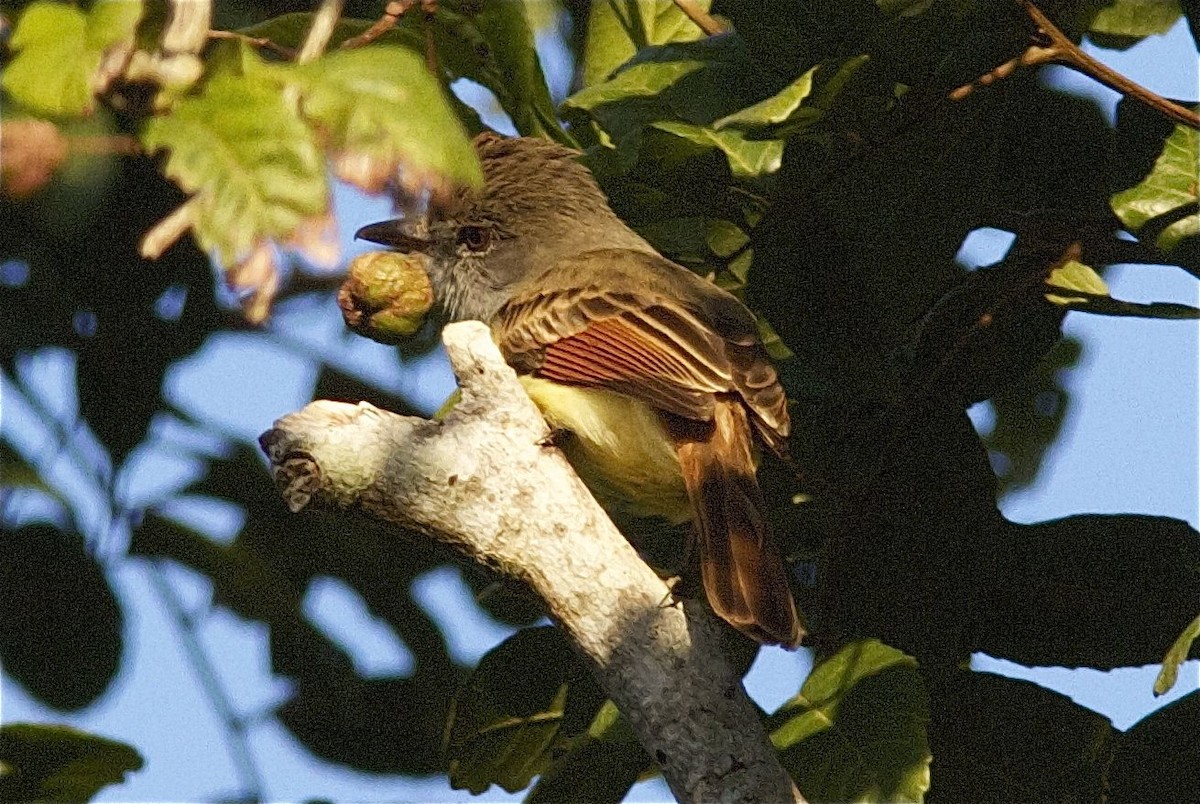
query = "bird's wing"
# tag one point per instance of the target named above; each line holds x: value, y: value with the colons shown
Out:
x: 671, y: 340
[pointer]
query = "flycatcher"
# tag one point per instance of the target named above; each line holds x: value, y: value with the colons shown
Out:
x: 657, y: 375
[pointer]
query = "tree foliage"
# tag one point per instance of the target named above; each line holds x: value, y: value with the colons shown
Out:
x: 825, y: 161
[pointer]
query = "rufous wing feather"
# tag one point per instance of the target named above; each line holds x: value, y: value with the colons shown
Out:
x: 741, y: 568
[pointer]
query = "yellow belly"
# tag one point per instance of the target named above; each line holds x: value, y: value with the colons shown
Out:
x: 617, y: 446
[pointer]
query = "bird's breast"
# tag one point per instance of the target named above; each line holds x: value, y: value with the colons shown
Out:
x: 617, y: 446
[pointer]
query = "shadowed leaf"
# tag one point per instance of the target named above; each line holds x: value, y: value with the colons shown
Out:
x: 999, y: 740
x: 1156, y: 759
x: 519, y: 708
x: 58, y: 763
x: 60, y: 624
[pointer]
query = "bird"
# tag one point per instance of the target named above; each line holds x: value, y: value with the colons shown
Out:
x: 656, y: 376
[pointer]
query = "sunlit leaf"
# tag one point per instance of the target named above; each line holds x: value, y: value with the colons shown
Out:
x: 382, y: 115
x: 617, y: 29
x: 253, y: 165
x: 1166, y: 201
x: 41, y: 762
x: 681, y: 88
x: 856, y: 730
x: 60, y: 49
x: 1074, y: 275
x: 1176, y: 655
x: 775, y: 110
x: 747, y: 158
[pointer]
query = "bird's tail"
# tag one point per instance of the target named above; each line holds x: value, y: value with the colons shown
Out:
x: 742, y: 570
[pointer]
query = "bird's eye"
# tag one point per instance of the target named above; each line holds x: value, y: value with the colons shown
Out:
x: 475, y: 238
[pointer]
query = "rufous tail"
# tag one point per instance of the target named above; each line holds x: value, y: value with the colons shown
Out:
x: 741, y: 568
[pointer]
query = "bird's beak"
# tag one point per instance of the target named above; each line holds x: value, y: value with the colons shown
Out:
x: 395, y: 234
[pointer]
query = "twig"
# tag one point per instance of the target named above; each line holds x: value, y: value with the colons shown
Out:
x: 1058, y: 48
x: 1071, y: 55
x: 391, y: 16
x: 118, y: 144
x: 702, y: 18
x: 243, y: 755
x: 324, y: 21
x: 258, y: 41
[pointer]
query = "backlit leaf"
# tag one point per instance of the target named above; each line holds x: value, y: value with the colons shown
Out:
x: 1176, y: 655
x: 382, y: 112
x: 60, y: 50
x: 252, y: 164
x: 1123, y: 23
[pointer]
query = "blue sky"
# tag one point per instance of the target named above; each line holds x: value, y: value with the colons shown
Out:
x: 1130, y: 443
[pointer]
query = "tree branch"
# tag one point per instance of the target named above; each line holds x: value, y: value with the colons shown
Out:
x: 485, y: 482
x: 1057, y: 47
x: 1070, y: 54
x: 323, y: 23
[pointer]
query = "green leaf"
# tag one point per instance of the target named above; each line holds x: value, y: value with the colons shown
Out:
x: 380, y: 111
x: 60, y: 50
x: 618, y: 29
x: 1076, y: 286
x: 1073, y: 275
x: 58, y: 763
x: 252, y: 164
x: 520, y: 707
x: 60, y: 623
x: 1106, y: 305
x: 1176, y: 655
x: 686, y: 86
x: 112, y: 22
x: 904, y: 8
x: 490, y: 42
x: 1166, y: 201
x: 16, y: 472
x: 747, y: 158
x: 775, y: 110
x: 1030, y: 412
x: 856, y: 730
x: 599, y: 766
x: 1124, y: 23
